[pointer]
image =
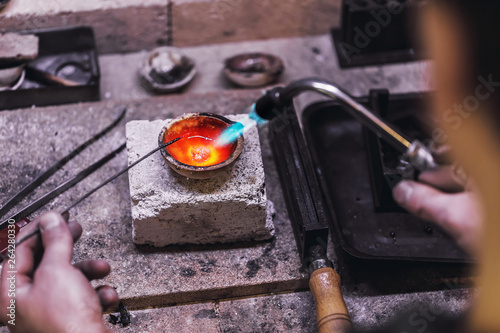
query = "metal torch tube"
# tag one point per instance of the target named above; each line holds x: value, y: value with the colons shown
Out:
x: 358, y: 111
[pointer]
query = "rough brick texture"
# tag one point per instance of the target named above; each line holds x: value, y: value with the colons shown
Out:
x: 168, y: 208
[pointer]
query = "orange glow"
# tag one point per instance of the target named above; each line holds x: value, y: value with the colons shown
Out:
x: 197, y: 147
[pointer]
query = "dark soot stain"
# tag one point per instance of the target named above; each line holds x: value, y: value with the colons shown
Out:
x: 253, y: 268
x: 188, y: 272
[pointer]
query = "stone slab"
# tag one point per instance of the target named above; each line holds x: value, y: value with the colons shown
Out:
x: 291, y: 313
x: 26, y: 7
x: 296, y: 312
x: 311, y: 56
x: 236, y: 20
x: 171, y: 209
x: 133, y: 25
x: 119, y: 26
x: 143, y: 276
x: 374, y: 312
x: 15, y: 47
x: 194, y: 318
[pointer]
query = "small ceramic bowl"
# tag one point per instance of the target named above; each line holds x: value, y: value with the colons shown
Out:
x: 167, y: 69
x: 253, y: 69
x: 196, y: 155
x: 12, y: 77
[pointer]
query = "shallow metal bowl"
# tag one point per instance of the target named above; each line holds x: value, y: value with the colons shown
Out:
x: 167, y: 69
x: 199, y: 172
x: 253, y: 69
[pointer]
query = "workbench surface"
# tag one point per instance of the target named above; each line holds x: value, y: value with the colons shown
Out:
x: 247, y: 287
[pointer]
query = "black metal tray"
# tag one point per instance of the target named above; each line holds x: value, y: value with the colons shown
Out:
x: 69, y: 53
x: 338, y: 148
x: 356, y: 44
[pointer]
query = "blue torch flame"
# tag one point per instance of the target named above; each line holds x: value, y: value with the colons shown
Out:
x: 233, y: 132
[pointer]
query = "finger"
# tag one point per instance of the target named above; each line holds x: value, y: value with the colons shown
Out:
x: 444, y: 178
x: 23, y: 264
x: 56, y: 238
x: 27, y: 266
x: 29, y: 252
x: 26, y: 254
x: 75, y: 229
x: 93, y: 269
x: 65, y: 216
x: 422, y: 200
x: 33, y: 225
x: 459, y: 214
x: 108, y: 297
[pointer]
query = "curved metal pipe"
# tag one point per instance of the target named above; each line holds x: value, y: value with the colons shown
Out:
x: 355, y: 109
x: 415, y: 152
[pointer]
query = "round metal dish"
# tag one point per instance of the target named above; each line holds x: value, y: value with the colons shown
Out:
x: 253, y: 69
x: 167, y: 69
x: 198, y: 172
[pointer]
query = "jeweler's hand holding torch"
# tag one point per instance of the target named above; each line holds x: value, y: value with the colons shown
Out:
x: 453, y: 206
x: 41, y: 291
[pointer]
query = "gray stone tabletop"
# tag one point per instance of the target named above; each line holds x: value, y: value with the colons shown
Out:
x: 242, y: 287
x: 302, y: 57
x: 145, y: 276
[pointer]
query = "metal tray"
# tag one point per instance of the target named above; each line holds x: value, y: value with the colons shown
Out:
x: 338, y: 148
x: 69, y: 53
x: 393, y: 43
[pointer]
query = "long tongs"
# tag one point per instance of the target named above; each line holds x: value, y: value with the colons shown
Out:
x: 107, y: 181
x: 21, y: 215
x: 26, y: 190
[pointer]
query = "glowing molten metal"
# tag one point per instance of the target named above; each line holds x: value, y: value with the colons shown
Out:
x: 198, y: 145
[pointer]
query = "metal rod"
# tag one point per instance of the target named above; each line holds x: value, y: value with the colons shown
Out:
x: 358, y: 111
x: 50, y: 171
x: 33, y: 207
x: 85, y: 196
x: 39, y: 75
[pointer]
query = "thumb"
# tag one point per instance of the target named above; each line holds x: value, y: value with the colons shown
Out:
x: 459, y: 214
x: 56, y: 238
x: 424, y: 201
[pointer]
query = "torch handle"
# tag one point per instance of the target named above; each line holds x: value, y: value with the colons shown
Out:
x: 331, y: 310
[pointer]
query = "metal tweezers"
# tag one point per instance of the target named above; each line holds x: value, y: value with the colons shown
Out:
x: 35, y: 183
x: 39, y: 203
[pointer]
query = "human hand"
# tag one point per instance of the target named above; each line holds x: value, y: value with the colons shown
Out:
x: 457, y: 213
x: 51, y: 295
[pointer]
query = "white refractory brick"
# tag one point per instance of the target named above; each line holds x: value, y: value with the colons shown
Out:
x: 168, y: 208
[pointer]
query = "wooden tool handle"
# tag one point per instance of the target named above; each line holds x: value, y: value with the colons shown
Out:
x: 332, y: 313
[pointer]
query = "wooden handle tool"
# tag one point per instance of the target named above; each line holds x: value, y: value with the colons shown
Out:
x: 332, y: 314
